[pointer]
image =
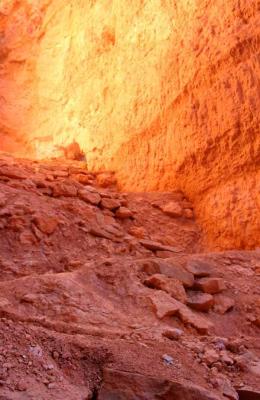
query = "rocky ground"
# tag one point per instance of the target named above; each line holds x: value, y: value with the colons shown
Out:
x: 108, y: 295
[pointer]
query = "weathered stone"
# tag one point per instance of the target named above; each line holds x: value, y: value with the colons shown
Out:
x: 199, y: 268
x: 12, y: 172
x: 210, y: 356
x: 138, y: 232
x: 81, y: 178
x: 223, y: 303
x: 201, y: 301
x: 168, y: 268
x: 123, y: 213
x: 172, y: 333
x: 168, y: 285
x: 172, y: 269
x: 110, y: 204
x: 60, y: 173
x: 163, y: 304
x: 210, y: 285
x: 89, y: 197
x: 190, y: 317
x: 106, y: 179
x: 173, y: 209
x: 66, y: 189
x: 46, y: 223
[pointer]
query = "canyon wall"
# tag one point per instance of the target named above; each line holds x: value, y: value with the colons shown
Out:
x: 164, y: 92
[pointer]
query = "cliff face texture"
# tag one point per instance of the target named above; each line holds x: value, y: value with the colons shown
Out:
x: 166, y: 93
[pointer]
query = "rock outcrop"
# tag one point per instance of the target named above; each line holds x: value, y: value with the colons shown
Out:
x: 166, y: 94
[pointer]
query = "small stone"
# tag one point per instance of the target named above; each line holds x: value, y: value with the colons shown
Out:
x: 225, y: 358
x: 201, y: 301
x: 110, y: 204
x: 51, y: 385
x: 173, y: 334
x: 21, y: 386
x: 81, y: 178
x: 172, y: 209
x: 210, y: 356
x: 89, y: 197
x: 223, y: 303
x: 164, y: 305
x: 55, y: 355
x: 167, y: 359
x: 46, y: 224
x: 210, y: 285
x: 123, y: 213
x: 137, y: 231
x: 65, y: 188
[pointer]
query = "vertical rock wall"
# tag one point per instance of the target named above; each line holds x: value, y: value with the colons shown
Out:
x: 165, y: 92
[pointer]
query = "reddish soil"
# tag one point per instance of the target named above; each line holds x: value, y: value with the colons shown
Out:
x: 78, y: 318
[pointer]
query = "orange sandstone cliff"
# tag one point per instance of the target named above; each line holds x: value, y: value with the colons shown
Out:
x: 165, y: 93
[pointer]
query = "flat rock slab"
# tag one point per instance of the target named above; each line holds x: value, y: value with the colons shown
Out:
x: 201, y: 324
x: 118, y: 385
x: 164, y: 305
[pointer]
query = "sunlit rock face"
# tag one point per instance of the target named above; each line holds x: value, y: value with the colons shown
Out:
x: 164, y: 92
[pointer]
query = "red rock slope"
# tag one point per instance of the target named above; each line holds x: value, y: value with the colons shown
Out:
x: 110, y: 295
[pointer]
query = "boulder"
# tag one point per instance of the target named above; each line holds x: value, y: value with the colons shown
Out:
x: 201, y: 301
x: 169, y: 285
x: 210, y: 285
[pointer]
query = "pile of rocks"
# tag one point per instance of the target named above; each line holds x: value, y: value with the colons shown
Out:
x: 182, y: 290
